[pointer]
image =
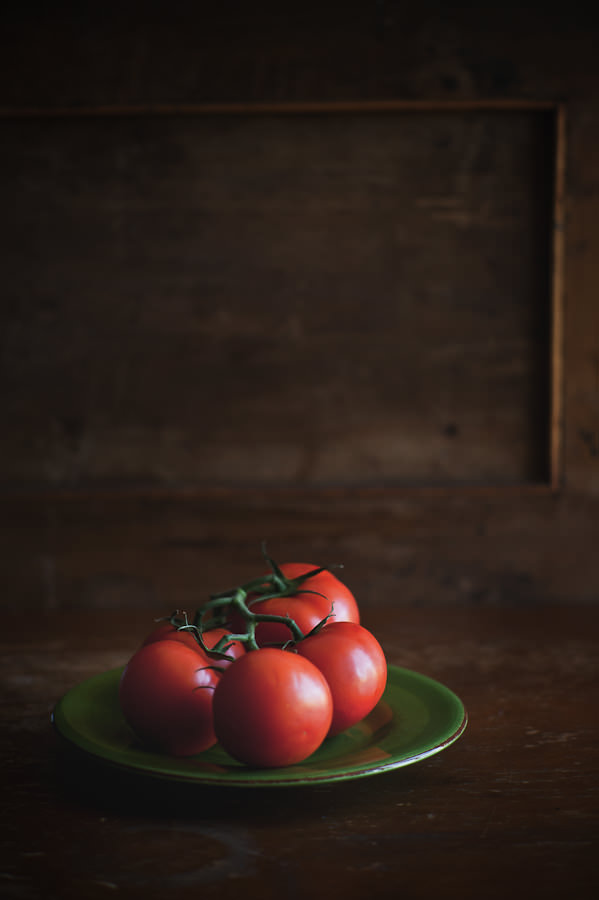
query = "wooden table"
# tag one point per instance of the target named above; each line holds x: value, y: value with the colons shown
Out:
x: 511, y: 807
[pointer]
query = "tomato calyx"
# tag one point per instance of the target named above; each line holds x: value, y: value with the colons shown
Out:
x: 284, y: 586
x: 276, y: 583
x: 272, y: 585
x: 238, y: 602
x: 320, y: 625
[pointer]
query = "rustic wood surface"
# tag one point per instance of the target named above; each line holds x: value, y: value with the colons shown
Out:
x: 511, y: 807
x: 108, y: 550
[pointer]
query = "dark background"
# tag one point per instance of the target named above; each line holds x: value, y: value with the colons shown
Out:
x: 288, y: 272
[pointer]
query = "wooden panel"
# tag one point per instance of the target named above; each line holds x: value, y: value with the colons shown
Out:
x: 104, y: 548
x: 354, y: 298
x: 428, y: 548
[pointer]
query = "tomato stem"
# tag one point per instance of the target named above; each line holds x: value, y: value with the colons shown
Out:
x: 218, y: 609
x: 205, y: 619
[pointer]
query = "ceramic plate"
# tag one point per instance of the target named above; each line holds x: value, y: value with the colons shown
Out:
x: 416, y: 718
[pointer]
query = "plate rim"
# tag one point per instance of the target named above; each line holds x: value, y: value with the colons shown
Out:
x: 255, y: 778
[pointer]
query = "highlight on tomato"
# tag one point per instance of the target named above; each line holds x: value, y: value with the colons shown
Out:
x: 272, y: 708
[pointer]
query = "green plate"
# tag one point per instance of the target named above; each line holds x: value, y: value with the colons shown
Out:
x: 416, y: 718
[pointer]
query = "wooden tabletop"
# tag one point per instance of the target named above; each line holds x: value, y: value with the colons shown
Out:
x: 511, y: 806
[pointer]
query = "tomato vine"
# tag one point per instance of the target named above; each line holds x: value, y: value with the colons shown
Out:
x: 217, y: 611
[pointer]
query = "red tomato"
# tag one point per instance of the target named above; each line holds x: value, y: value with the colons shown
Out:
x: 165, y: 693
x: 354, y: 665
x: 345, y: 608
x: 272, y: 708
x: 318, y: 597
x: 168, y: 632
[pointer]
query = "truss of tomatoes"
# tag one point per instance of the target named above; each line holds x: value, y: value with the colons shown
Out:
x: 268, y: 670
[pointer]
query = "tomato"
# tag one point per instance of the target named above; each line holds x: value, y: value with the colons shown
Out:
x: 338, y: 595
x: 354, y: 665
x: 272, y: 708
x: 165, y: 693
x: 319, y: 596
x: 168, y: 632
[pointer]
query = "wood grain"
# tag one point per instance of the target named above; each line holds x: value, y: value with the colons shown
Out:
x: 297, y: 299
x: 512, y: 803
x: 68, y: 542
x: 107, y: 551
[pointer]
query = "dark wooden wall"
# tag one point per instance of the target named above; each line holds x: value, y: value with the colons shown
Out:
x: 314, y: 273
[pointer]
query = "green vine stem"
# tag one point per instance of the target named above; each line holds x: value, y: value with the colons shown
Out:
x: 274, y: 584
x: 206, y: 620
x: 217, y: 611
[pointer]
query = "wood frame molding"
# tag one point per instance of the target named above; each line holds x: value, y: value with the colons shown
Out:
x: 557, y: 302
